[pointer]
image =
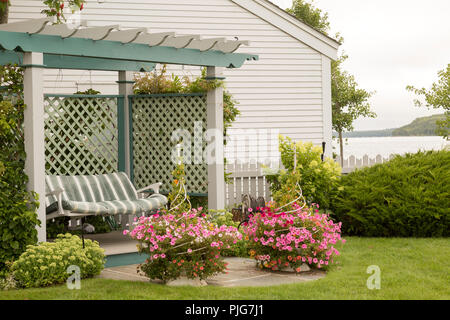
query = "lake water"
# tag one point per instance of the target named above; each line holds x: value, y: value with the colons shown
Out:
x: 385, y: 146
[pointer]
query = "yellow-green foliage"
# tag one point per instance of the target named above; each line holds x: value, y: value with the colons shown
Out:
x: 408, y: 196
x: 318, y: 180
x: 46, y: 264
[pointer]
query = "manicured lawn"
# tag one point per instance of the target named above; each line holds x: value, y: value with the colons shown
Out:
x: 410, y: 269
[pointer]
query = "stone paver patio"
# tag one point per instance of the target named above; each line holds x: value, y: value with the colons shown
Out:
x: 241, y: 273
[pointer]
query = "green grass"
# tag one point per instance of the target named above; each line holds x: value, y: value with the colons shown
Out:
x: 410, y: 269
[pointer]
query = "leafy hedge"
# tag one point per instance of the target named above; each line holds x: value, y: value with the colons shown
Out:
x: 408, y: 196
x: 18, y: 218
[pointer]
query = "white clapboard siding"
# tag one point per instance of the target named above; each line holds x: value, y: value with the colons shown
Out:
x: 283, y: 90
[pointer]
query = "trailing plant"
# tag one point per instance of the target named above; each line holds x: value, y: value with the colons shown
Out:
x: 180, y: 240
x: 47, y: 263
x: 317, y: 180
x: 182, y: 243
x: 18, y: 218
x: 406, y: 197
x: 279, y: 240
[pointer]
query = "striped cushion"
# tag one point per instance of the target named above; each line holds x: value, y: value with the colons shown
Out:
x: 80, y: 207
x: 102, y: 194
x: 155, y: 201
x: 135, y: 206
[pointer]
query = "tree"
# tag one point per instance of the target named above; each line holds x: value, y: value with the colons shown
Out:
x: 348, y: 101
x: 437, y: 97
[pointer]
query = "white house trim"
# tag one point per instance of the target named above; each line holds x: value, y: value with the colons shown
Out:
x: 292, y: 26
x: 327, y: 106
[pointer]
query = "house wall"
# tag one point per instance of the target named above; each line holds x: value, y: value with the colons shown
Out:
x: 282, y: 92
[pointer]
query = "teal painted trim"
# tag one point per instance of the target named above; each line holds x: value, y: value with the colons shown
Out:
x: 125, y: 259
x: 130, y: 117
x: 10, y: 57
x: 121, y: 133
x: 87, y: 63
x: 43, y: 66
x: 49, y: 44
x: 162, y: 95
x: 53, y: 61
x: 111, y: 96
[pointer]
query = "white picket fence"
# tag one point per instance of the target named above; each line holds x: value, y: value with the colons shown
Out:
x: 352, y: 163
x: 248, y: 178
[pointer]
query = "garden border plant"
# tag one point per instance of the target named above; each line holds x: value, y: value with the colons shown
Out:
x: 18, y: 217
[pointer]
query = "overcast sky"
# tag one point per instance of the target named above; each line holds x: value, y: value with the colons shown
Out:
x: 391, y: 44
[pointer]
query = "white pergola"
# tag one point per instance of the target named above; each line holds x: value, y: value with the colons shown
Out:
x: 38, y: 44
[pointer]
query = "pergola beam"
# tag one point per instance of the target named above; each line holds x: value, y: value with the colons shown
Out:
x: 53, y: 61
x: 137, y: 52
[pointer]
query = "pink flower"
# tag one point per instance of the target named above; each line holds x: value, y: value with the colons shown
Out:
x: 189, y: 250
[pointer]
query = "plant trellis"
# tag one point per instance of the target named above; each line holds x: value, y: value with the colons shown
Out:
x: 81, y: 135
x: 154, y: 120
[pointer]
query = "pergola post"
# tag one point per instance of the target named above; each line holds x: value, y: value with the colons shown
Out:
x: 34, y: 132
x: 216, y: 178
x: 126, y: 89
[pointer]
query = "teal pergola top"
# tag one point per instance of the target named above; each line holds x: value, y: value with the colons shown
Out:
x: 113, y: 49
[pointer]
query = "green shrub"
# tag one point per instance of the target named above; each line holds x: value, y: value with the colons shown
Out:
x: 405, y: 197
x: 47, y: 263
x: 18, y: 218
x: 318, y: 179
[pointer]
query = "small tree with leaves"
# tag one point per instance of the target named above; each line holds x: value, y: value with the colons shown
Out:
x: 437, y: 97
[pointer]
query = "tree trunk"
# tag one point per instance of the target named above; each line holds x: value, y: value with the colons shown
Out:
x: 341, y: 147
x: 4, y: 15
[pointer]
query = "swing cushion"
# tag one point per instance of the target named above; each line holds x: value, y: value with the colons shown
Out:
x: 107, y: 194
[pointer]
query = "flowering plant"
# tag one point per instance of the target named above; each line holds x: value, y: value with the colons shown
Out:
x: 278, y: 240
x: 182, y: 244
